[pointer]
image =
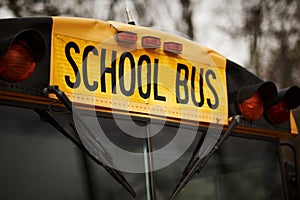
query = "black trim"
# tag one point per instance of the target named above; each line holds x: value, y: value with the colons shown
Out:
x: 40, y: 77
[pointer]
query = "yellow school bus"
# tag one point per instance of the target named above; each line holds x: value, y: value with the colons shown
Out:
x: 97, y: 109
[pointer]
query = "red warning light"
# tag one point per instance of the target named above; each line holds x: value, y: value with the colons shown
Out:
x: 252, y: 108
x: 18, y: 62
x: 19, y: 55
x: 173, y: 47
x: 151, y: 42
x: 278, y: 113
x: 287, y: 100
x: 127, y: 37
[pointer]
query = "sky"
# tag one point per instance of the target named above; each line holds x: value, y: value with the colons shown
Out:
x: 210, y: 18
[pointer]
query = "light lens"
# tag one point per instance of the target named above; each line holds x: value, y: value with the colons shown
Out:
x: 279, y: 113
x: 18, y: 62
x: 252, y: 108
x: 151, y: 42
x: 173, y: 47
x: 127, y: 37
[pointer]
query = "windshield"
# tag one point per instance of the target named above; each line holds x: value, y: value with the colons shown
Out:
x: 243, y: 169
x: 39, y: 163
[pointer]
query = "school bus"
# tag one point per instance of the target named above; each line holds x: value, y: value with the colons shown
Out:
x: 95, y: 109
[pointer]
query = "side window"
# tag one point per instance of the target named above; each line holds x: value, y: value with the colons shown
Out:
x: 289, y: 169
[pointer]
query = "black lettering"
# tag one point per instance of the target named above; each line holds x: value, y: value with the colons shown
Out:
x: 130, y: 91
x: 212, y: 89
x: 68, y: 47
x: 143, y: 94
x: 155, y: 81
x: 86, y: 52
x: 111, y: 70
x: 182, y: 83
x: 201, y: 102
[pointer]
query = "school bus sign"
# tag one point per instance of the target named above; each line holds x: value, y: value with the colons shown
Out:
x: 130, y: 70
x: 140, y: 70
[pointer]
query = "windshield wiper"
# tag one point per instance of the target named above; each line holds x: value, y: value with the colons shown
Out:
x: 198, y: 146
x: 198, y: 164
x: 77, y: 141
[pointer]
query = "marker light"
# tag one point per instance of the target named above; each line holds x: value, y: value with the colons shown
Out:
x: 278, y: 113
x: 173, y: 47
x: 252, y: 108
x: 150, y: 42
x: 127, y: 37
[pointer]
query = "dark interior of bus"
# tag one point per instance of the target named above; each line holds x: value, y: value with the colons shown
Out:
x: 37, y: 162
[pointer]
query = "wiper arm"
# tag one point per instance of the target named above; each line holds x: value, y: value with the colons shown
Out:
x: 45, y: 116
x: 199, y: 144
x: 67, y: 103
x: 105, y: 154
x: 199, y: 163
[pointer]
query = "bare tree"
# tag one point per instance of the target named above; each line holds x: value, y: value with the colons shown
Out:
x: 253, y: 31
x: 21, y: 8
x: 187, y: 14
x: 283, y: 26
x: 272, y: 29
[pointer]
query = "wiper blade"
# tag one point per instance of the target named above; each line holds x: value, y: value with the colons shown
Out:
x: 199, y: 163
x: 104, y: 153
x: 198, y: 146
x: 67, y: 103
x: 45, y: 116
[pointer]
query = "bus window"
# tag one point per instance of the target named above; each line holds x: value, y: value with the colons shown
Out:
x: 37, y: 162
x: 242, y: 169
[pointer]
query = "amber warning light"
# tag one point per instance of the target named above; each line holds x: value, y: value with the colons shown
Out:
x: 252, y: 108
x: 251, y: 100
x: 257, y: 100
x: 19, y: 55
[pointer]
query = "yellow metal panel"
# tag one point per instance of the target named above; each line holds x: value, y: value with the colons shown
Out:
x: 294, y: 129
x: 190, y: 85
